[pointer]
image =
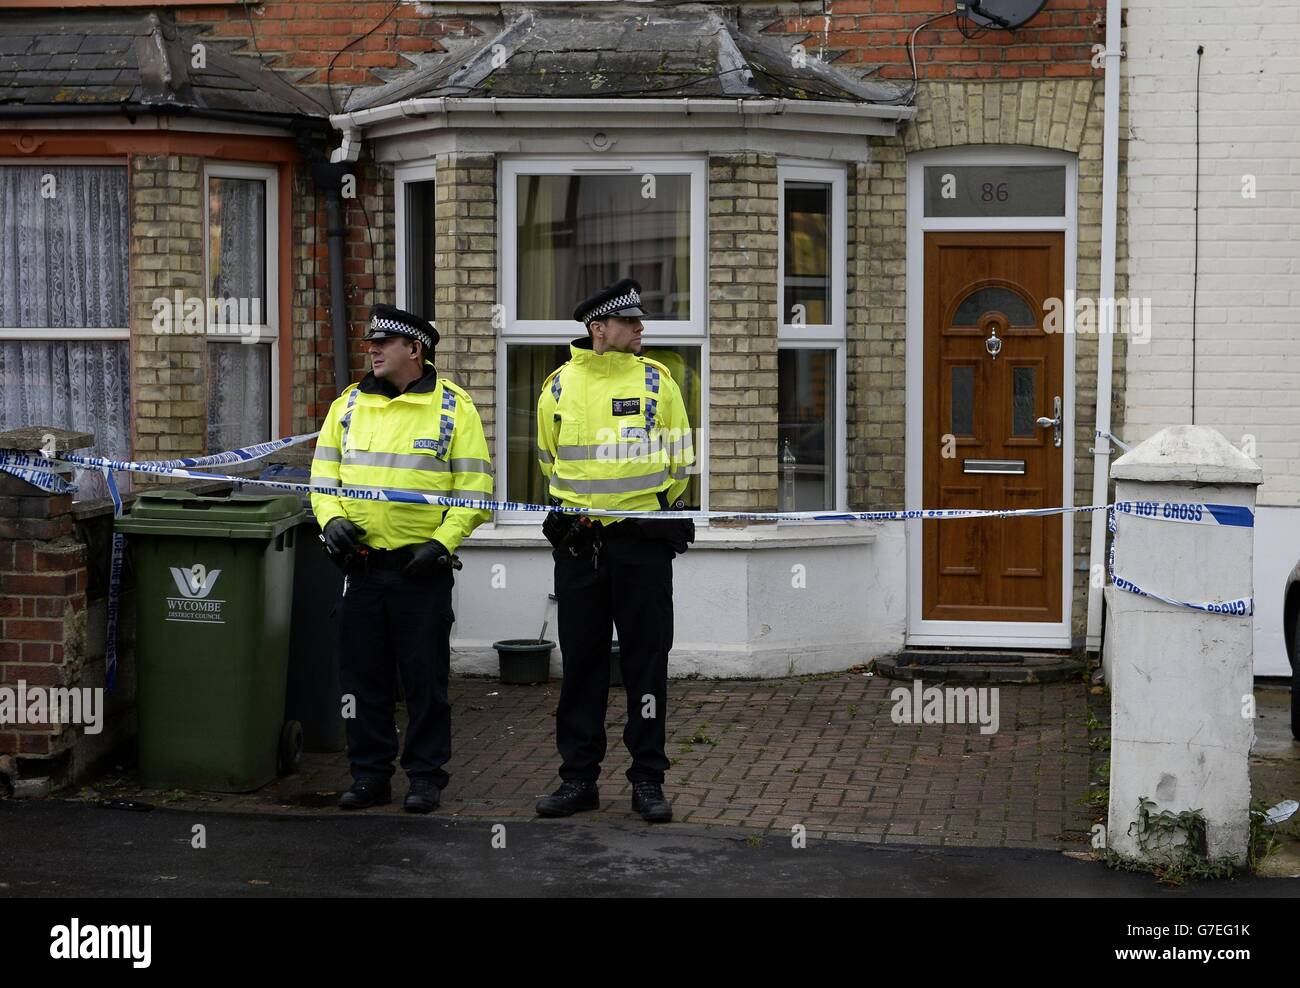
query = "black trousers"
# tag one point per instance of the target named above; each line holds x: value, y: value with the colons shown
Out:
x: 628, y: 585
x: 390, y: 624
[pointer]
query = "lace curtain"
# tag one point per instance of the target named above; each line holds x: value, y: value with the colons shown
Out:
x: 239, y: 395
x: 239, y: 373
x: 63, y: 265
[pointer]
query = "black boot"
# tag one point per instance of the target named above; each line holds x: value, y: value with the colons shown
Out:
x: 424, y: 796
x: 648, y: 800
x: 571, y: 797
x: 366, y: 792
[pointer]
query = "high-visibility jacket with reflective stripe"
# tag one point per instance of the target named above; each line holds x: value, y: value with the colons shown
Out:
x: 612, y: 431
x: 429, y: 438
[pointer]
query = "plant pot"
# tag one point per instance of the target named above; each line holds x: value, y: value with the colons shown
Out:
x: 615, y: 666
x: 524, y: 661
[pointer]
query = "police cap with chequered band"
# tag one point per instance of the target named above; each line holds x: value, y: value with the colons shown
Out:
x: 623, y: 298
x: 389, y: 320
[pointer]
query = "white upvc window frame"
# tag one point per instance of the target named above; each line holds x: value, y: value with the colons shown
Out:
x: 658, y: 331
x: 837, y: 236
x: 70, y: 333
x: 268, y: 332
x: 825, y: 336
x: 404, y: 175
x: 551, y: 332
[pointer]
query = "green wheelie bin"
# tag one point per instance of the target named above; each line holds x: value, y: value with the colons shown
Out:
x: 214, y: 595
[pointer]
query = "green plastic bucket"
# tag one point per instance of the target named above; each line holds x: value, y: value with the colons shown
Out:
x: 524, y: 661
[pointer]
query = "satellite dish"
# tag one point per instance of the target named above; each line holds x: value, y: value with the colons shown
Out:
x: 1004, y: 14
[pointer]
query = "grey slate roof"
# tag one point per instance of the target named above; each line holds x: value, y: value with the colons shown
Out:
x: 626, y: 51
x: 141, y: 61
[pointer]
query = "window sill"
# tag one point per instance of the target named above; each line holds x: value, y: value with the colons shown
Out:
x: 789, y: 536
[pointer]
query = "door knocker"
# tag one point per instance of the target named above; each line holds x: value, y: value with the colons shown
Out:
x: 993, y: 345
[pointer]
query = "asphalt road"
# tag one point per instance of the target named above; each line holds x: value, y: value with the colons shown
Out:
x: 54, y: 848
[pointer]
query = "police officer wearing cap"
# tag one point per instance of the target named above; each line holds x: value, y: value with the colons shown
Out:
x: 402, y: 427
x: 612, y: 433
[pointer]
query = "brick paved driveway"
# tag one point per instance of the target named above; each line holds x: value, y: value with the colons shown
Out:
x: 817, y: 751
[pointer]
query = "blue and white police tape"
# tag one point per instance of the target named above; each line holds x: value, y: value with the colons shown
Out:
x: 114, y: 587
x: 38, y: 467
x: 405, y: 496
x: 1200, y: 513
x: 21, y: 463
x: 245, y: 454
x: 1239, y: 606
x: 38, y: 470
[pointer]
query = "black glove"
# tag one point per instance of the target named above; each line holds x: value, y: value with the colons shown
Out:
x: 342, y: 538
x: 556, y: 527
x: 427, y: 558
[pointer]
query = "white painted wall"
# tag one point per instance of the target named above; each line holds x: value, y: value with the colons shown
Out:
x: 1277, y: 549
x: 737, y: 614
x: 1248, y: 294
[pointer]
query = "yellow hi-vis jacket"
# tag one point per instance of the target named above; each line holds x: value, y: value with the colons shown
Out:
x: 429, y: 438
x: 612, y: 432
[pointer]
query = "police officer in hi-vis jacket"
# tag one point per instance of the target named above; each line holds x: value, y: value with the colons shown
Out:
x: 612, y: 433
x: 402, y: 426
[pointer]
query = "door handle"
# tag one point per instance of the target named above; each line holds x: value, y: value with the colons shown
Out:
x: 1054, y: 423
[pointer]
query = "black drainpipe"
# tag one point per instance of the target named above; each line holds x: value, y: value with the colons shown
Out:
x: 329, y: 177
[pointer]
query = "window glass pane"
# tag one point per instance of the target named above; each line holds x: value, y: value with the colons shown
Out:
x: 993, y: 299
x: 807, y: 275
x: 1024, y: 397
x: 419, y: 248
x: 63, y: 246
x: 806, y: 429
x: 527, y: 366
x: 239, y: 395
x: 237, y: 251
x: 963, y: 401
x: 579, y: 233
x: 683, y: 363
x: 79, y: 384
x: 995, y: 190
x: 526, y: 369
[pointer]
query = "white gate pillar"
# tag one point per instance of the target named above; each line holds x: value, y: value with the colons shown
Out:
x: 1181, y: 679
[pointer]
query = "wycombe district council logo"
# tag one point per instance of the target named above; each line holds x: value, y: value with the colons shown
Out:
x: 195, y: 605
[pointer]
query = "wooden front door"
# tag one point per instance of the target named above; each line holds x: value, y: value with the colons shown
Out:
x: 983, y: 447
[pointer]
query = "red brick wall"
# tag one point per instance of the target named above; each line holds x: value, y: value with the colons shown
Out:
x: 42, y: 606
x: 309, y: 36
x: 1058, y: 42
x: 367, y: 276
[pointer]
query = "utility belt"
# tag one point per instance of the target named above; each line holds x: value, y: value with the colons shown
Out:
x: 388, y: 559
x: 382, y: 558
x: 578, y: 534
